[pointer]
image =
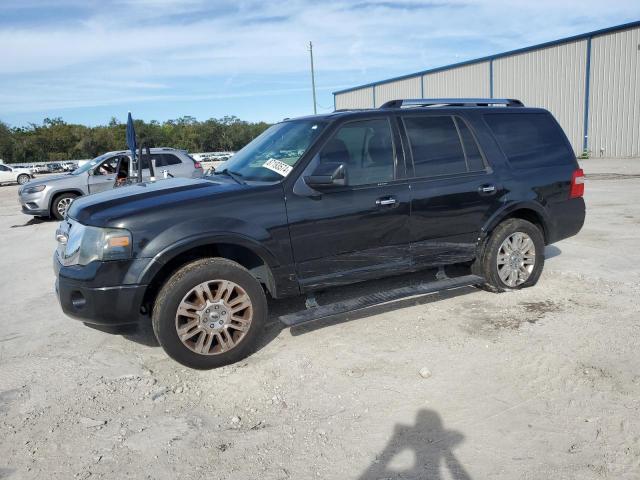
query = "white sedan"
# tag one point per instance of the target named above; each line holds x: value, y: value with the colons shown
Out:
x: 14, y: 174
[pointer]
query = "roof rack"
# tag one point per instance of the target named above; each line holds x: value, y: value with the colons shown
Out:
x: 452, y: 102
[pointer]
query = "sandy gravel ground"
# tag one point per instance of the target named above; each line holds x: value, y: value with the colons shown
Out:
x: 538, y: 384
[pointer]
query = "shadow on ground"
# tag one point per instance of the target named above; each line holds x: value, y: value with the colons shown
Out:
x: 34, y: 221
x: 430, y: 447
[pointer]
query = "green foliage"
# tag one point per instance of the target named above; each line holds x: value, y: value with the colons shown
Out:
x: 58, y: 140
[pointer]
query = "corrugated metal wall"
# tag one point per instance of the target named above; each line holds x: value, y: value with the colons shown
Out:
x: 614, y: 100
x: 468, y: 81
x: 406, y: 88
x: 361, y: 98
x: 552, y: 78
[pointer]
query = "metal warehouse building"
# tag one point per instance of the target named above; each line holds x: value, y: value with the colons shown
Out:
x: 590, y: 82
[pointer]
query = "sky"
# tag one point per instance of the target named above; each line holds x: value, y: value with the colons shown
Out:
x: 87, y: 61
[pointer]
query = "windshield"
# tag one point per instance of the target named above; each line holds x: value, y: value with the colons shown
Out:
x: 89, y: 165
x: 272, y: 155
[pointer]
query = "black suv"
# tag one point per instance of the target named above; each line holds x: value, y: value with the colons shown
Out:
x: 321, y: 201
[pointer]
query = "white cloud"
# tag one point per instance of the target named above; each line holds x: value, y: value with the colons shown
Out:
x: 98, y: 52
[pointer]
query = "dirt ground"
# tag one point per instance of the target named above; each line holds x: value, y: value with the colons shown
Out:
x: 537, y: 384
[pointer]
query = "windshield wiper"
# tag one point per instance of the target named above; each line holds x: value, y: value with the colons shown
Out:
x: 229, y: 173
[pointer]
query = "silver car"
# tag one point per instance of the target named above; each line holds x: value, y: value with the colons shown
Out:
x: 50, y: 197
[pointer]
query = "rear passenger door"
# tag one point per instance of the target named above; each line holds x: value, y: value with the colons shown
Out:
x: 453, y: 189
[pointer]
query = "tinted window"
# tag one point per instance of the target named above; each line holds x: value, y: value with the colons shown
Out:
x: 435, y: 145
x: 530, y: 139
x: 471, y: 150
x: 4, y: 169
x: 366, y: 148
x: 169, y: 159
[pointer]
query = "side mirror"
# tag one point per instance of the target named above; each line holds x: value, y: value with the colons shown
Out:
x: 327, y: 175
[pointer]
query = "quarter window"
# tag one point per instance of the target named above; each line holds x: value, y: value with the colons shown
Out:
x: 530, y: 139
x: 366, y: 148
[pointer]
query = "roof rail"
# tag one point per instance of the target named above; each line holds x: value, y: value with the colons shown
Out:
x: 453, y: 102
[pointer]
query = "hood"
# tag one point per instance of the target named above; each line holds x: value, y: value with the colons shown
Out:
x: 115, y: 206
x: 54, y: 178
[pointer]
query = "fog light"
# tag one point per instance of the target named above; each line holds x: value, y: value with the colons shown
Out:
x: 77, y: 300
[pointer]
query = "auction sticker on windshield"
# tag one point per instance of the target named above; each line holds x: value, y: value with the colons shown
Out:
x: 278, y: 167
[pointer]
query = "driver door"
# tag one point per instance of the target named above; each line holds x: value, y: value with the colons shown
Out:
x: 360, y: 230
x: 103, y: 177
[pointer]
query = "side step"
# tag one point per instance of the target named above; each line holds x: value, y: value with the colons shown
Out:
x: 365, y: 301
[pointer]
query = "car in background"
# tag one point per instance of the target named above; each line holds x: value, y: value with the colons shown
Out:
x: 69, y: 166
x: 11, y: 174
x: 54, y: 167
x: 50, y: 197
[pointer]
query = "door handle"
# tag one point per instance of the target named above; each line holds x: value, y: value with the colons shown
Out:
x: 487, y: 189
x: 382, y: 202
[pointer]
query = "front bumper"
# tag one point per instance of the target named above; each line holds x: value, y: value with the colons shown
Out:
x: 35, y: 203
x: 82, y: 300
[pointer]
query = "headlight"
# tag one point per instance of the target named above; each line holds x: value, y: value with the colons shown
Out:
x: 80, y: 244
x: 35, y: 189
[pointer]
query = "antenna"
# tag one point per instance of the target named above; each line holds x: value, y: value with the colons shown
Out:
x: 313, y: 79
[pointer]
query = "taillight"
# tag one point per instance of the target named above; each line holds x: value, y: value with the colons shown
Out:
x: 577, y: 184
x: 198, y: 165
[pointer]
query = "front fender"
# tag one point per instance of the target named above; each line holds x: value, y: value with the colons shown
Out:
x: 199, y: 240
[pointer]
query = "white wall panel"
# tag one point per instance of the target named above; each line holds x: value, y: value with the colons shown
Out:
x: 552, y: 78
x: 406, y: 88
x: 468, y: 81
x: 361, y: 98
x: 614, y: 95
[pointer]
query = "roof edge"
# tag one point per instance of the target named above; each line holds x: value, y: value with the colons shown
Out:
x: 581, y: 36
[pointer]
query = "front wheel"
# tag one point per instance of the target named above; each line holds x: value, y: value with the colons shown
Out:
x: 61, y: 204
x: 23, y: 178
x: 512, y: 257
x: 210, y: 313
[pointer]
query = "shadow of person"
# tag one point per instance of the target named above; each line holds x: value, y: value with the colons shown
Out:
x: 431, y: 446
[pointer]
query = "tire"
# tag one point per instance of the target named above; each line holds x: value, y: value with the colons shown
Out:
x: 527, y: 266
x: 23, y: 178
x: 57, y: 210
x: 183, y: 303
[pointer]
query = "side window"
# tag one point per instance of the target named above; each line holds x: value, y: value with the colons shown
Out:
x: 108, y: 167
x: 471, y: 151
x: 166, y: 159
x: 530, y: 139
x: 366, y: 147
x: 4, y: 169
x: 435, y: 146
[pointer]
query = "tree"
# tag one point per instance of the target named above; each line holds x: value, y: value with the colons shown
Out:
x: 55, y: 139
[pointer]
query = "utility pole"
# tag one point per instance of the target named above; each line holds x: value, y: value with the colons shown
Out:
x: 313, y: 79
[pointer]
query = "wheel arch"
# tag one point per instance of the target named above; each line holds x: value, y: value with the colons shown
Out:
x: 56, y: 194
x: 257, y: 260
x: 530, y: 212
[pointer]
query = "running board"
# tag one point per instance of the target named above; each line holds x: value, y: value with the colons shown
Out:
x: 365, y: 301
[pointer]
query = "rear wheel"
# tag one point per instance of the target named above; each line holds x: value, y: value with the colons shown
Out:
x: 23, y: 178
x: 61, y: 204
x: 512, y: 257
x: 210, y: 313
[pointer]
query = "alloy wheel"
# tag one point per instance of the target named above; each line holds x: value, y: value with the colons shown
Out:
x: 213, y: 317
x: 63, y: 205
x: 516, y: 259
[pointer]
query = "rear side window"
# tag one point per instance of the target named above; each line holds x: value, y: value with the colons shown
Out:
x: 530, y: 139
x: 442, y: 145
x: 166, y: 159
